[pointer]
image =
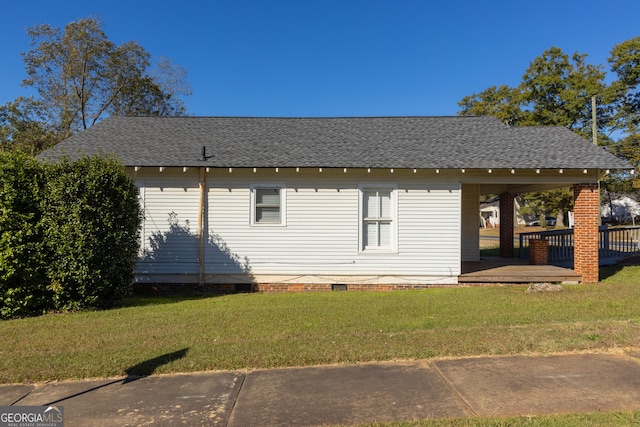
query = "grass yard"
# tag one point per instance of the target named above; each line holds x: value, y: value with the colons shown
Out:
x: 594, y: 419
x: 168, y: 335
x: 164, y: 335
x: 495, y: 232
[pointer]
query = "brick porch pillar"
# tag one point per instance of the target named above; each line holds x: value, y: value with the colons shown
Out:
x: 506, y: 225
x: 585, y: 232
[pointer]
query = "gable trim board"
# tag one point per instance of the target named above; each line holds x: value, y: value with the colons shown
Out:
x: 200, y: 210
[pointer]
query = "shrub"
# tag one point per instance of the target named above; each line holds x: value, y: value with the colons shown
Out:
x: 69, y: 234
x: 91, y: 226
x: 22, y: 268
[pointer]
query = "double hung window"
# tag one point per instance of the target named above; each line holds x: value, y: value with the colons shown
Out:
x: 378, y: 222
x: 268, y: 205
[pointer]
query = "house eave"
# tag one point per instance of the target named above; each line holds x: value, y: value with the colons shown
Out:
x: 488, y: 171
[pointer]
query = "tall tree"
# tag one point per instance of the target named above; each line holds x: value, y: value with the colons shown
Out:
x: 555, y: 90
x: 82, y: 77
x: 24, y: 127
x: 625, y: 62
x: 502, y: 102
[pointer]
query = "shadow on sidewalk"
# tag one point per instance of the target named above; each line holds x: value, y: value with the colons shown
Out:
x: 134, y: 373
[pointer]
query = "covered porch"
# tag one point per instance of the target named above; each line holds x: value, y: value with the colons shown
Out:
x: 509, y: 269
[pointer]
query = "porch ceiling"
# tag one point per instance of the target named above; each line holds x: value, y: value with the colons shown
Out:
x: 521, y: 188
x: 529, y: 180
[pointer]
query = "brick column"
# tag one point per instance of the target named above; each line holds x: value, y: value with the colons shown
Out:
x: 506, y: 225
x: 585, y: 239
x: 538, y: 252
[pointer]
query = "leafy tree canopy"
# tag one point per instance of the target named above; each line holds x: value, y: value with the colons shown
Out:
x: 557, y: 90
x: 81, y: 77
x: 24, y: 127
x: 625, y: 62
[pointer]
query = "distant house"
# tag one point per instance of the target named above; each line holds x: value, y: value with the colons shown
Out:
x: 310, y: 203
x: 621, y: 209
x: 490, y: 212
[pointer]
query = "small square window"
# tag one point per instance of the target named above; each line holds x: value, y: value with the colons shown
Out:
x: 267, y: 205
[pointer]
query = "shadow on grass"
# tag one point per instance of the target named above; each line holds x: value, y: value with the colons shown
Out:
x: 610, y: 270
x: 141, y: 301
x: 149, y: 366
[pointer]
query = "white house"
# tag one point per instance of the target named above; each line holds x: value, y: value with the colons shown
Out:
x: 490, y: 212
x: 310, y: 203
x: 623, y: 209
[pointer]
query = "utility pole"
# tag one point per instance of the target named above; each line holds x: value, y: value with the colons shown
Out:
x: 594, y: 136
x: 594, y: 124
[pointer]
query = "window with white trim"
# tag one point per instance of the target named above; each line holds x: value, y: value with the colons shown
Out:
x: 268, y: 205
x: 378, y: 219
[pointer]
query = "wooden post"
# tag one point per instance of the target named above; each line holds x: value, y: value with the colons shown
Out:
x: 202, y: 185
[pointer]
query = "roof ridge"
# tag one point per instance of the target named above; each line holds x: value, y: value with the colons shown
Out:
x: 307, y: 117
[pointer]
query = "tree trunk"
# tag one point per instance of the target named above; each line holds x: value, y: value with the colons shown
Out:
x: 560, y: 219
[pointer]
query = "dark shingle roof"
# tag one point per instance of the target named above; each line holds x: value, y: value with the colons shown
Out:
x: 385, y: 142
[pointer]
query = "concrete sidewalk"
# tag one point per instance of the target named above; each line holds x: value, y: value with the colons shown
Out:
x: 349, y: 394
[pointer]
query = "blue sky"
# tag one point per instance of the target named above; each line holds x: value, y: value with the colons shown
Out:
x: 334, y: 57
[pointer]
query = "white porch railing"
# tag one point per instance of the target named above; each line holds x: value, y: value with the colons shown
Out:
x: 613, y: 244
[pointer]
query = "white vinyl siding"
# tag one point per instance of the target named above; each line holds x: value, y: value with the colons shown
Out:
x: 322, y: 235
x: 470, y: 226
x: 170, y: 238
x: 322, y: 239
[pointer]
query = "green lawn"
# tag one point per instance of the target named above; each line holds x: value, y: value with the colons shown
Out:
x: 163, y: 335
x: 594, y: 419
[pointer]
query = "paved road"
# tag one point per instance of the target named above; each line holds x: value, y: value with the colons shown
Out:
x: 349, y: 394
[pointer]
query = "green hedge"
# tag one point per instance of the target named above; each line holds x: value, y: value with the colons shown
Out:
x: 70, y: 234
x: 22, y: 260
